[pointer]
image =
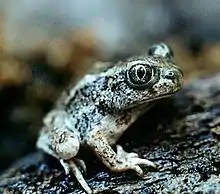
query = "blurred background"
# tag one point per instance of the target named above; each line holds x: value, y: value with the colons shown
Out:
x: 46, y: 44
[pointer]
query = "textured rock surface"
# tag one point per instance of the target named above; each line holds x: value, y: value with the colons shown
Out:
x: 181, y: 135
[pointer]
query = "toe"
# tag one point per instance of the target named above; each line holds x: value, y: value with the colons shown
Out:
x: 65, y: 166
x: 79, y: 177
x: 124, y: 154
x: 132, y: 155
x: 81, y: 164
x: 141, y: 161
x: 138, y: 170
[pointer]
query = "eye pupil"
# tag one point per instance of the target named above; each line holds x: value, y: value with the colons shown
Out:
x: 141, y: 72
x: 139, y: 75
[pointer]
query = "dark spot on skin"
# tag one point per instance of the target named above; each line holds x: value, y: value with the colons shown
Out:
x: 81, y: 135
x: 85, y: 91
x: 104, y: 84
x: 62, y: 137
x: 119, y: 161
x: 76, y: 123
x: 124, y: 119
x: 152, y: 91
x: 103, y: 108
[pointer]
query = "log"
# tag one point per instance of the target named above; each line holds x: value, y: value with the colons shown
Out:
x: 180, y: 134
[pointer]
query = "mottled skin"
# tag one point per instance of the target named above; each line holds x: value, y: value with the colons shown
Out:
x: 98, y: 110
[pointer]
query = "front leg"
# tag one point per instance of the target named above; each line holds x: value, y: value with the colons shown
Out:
x: 117, y: 162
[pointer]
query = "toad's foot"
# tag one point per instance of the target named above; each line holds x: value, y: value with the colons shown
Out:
x: 133, y: 158
x: 69, y: 165
x: 117, y: 162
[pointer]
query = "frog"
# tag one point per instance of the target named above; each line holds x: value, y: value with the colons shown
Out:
x: 97, y: 110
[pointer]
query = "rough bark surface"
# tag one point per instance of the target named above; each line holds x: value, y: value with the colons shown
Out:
x: 181, y: 135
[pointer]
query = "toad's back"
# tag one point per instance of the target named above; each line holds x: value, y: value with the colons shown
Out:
x: 114, y: 98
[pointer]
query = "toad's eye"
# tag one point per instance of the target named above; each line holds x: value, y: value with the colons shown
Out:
x: 139, y: 75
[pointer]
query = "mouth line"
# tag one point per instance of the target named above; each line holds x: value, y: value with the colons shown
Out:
x: 156, y: 98
x: 162, y: 96
x: 151, y: 101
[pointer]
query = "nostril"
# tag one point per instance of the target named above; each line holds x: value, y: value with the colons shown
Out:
x: 170, y: 75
